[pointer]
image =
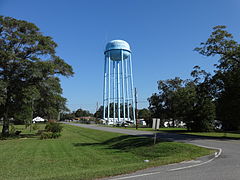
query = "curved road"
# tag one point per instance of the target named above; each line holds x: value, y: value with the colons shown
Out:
x: 223, y: 166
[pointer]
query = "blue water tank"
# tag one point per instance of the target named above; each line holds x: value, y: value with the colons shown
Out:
x: 114, y: 49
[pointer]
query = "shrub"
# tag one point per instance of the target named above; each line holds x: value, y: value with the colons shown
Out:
x: 35, y: 126
x: 46, y: 135
x: 56, y: 135
x: 52, y: 130
x: 39, y: 132
x: 49, y: 135
x: 53, y: 127
x: 12, y: 129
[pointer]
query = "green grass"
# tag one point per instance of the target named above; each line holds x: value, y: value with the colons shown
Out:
x: 230, y: 135
x: 150, y: 129
x: 82, y: 153
x: 233, y: 135
x: 26, y: 132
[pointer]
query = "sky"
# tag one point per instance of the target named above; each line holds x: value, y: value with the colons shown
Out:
x: 162, y: 35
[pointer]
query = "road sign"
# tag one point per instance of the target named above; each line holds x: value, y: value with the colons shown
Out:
x: 155, y: 126
x: 156, y: 123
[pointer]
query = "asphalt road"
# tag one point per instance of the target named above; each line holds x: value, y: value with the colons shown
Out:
x: 224, y: 165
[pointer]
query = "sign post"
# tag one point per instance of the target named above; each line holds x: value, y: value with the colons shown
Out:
x: 155, y: 126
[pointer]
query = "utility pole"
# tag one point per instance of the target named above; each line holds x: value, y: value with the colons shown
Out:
x: 97, y: 107
x: 136, y: 102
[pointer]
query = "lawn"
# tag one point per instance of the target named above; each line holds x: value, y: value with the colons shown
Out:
x: 162, y: 129
x: 82, y: 153
x: 218, y: 134
x: 233, y: 135
x: 144, y: 128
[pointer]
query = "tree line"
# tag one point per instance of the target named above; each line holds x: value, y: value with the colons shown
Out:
x: 204, y: 98
x: 76, y: 114
x: 29, y: 74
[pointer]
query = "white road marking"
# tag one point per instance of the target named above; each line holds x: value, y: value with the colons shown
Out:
x: 195, y: 165
x: 192, y: 161
x: 128, y: 177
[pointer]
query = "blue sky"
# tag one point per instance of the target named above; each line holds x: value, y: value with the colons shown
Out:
x: 162, y: 35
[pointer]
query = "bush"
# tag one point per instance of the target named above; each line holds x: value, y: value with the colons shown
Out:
x: 56, y: 135
x: 39, y: 132
x: 49, y: 135
x: 46, y: 135
x: 35, y: 126
x: 52, y: 130
x: 53, y: 127
x: 12, y: 129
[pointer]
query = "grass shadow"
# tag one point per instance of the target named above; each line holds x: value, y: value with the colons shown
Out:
x: 125, y: 142
x: 185, y: 134
x: 13, y: 136
x: 223, y: 137
x: 173, y: 131
x: 28, y: 135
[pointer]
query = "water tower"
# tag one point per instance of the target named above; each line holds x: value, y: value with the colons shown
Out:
x: 118, y: 91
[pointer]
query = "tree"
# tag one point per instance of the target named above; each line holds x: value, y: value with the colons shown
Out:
x: 165, y: 104
x: 2, y: 92
x: 204, y: 109
x: 24, y: 101
x: 82, y: 113
x: 51, y: 102
x: 156, y: 106
x: 145, y: 114
x: 227, y: 77
x: 27, y: 60
x: 185, y: 100
x: 67, y: 116
x: 99, y: 113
